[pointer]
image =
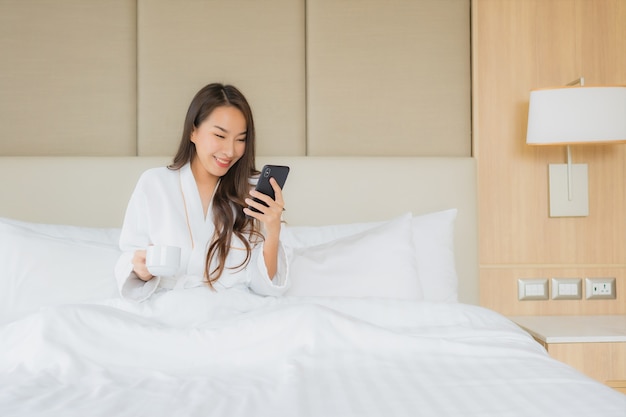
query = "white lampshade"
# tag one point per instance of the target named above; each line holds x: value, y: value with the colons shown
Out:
x: 571, y: 115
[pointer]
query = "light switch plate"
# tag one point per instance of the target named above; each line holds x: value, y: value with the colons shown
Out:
x: 567, y: 289
x: 532, y: 289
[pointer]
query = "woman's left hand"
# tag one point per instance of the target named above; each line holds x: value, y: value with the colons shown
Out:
x: 270, y: 216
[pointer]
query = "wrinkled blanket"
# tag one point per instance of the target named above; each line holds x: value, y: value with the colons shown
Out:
x: 199, y: 353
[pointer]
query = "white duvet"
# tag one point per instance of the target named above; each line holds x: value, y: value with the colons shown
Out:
x: 198, y: 353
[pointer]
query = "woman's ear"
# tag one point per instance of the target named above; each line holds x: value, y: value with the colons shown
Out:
x: 192, y: 137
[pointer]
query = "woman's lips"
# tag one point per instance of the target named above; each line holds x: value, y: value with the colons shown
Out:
x: 224, y: 163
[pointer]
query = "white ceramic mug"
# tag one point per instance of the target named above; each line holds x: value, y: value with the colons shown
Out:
x: 163, y: 260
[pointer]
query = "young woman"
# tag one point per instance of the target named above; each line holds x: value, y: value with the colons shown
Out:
x: 200, y: 204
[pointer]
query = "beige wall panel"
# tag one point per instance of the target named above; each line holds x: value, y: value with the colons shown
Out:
x: 256, y: 46
x: 67, y: 77
x: 388, y: 78
x: 519, y: 46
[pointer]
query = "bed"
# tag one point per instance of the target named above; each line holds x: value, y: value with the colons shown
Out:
x: 398, y: 333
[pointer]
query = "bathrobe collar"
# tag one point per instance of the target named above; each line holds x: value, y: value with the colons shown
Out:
x: 193, y: 205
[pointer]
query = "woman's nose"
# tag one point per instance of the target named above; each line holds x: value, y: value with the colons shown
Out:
x: 229, y: 147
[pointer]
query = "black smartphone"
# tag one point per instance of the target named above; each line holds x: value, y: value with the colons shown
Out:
x: 279, y: 173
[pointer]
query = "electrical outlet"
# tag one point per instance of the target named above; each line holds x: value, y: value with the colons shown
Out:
x: 532, y: 289
x: 600, y: 288
x: 567, y: 288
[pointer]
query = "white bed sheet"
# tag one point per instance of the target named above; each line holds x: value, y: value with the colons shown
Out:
x: 198, y: 353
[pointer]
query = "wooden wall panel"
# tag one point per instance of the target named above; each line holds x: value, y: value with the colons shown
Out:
x: 498, y: 289
x: 519, y: 46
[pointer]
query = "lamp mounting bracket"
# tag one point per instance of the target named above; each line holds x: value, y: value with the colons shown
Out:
x: 577, y: 81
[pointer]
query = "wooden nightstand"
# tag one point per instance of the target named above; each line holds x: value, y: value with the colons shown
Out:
x: 595, y: 345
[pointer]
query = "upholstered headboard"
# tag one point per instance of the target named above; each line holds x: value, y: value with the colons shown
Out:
x: 324, y: 77
x: 94, y: 191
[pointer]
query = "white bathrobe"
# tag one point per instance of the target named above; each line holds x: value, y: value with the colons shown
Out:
x: 165, y: 209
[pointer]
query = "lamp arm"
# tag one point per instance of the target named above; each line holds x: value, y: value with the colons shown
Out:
x: 569, y: 173
x: 580, y: 81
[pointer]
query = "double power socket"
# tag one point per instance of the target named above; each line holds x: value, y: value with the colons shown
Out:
x: 566, y: 288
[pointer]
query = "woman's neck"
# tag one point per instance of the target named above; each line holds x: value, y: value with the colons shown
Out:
x: 205, y: 182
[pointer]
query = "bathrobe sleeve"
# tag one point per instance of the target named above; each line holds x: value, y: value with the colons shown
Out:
x: 258, y: 278
x: 134, y: 236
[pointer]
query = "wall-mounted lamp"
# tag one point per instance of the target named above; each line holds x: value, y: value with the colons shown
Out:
x: 573, y: 115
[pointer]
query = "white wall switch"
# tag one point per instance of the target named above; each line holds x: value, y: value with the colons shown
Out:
x: 600, y: 288
x: 567, y: 289
x: 532, y: 289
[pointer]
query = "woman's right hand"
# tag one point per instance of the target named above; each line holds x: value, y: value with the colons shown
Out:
x: 139, y: 266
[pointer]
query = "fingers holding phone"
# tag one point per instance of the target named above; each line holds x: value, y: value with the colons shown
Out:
x: 266, y: 203
x: 262, y: 203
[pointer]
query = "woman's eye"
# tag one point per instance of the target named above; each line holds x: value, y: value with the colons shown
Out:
x: 219, y: 136
x: 241, y: 139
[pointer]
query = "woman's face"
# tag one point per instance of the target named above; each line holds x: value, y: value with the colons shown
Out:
x: 220, y: 140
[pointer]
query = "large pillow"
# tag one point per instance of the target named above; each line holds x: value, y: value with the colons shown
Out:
x: 43, y: 265
x: 377, y: 262
x: 433, y: 237
x: 106, y: 236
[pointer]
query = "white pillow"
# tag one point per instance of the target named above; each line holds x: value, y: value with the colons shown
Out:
x: 378, y: 262
x: 433, y: 236
x: 43, y: 265
x: 305, y: 236
x: 107, y: 236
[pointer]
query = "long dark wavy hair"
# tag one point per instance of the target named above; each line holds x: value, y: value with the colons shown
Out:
x: 233, y: 188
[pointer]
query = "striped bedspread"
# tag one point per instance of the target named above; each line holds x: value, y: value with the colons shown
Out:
x: 198, y: 353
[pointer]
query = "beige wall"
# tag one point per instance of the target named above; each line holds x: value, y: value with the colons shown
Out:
x: 67, y: 77
x: 256, y: 45
x: 324, y: 78
x: 386, y: 78
x: 519, y: 46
